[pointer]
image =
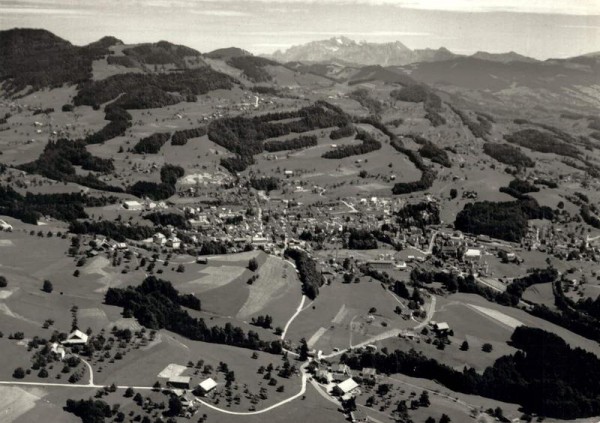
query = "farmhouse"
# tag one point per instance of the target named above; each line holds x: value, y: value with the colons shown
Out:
x: 76, y: 337
x: 58, y: 350
x: 207, y: 385
x: 472, y: 254
x: 179, y: 382
x: 346, y: 387
x: 132, y: 205
x: 174, y: 242
x: 341, y: 372
x: 440, y: 328
x: 368, y: 372
x: 159, y: 239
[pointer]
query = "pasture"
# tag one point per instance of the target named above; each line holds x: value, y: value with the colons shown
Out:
x: 340, y: 316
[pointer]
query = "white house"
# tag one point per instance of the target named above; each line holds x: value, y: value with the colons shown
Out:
x: 58, y: 350
x: 132, y: 205
x: 347, y: 386
x: 472, y: 254
x: 76, y: 337
x: 159, y: 238
x: 441, y: 327
x: 174, y: 242
x: 207, y: 385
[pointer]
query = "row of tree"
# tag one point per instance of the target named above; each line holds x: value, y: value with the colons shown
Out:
x: 310, y: 276
x: 181, y: 137
x: 369, y: 144
x: 151, y: 144
x: 291, y: 144
x: 508, y: 154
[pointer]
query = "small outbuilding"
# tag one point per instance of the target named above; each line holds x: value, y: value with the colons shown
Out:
x: 132, y: 205
x: 179, y: 382
x: 440, y: 328
x: 207, y: 385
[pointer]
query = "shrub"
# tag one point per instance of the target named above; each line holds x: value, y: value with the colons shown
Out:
x: 47, y: 286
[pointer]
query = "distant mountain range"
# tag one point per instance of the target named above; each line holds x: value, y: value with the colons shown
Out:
x: 34, y: 59
x: 348, y: 51
x: 345, y: 50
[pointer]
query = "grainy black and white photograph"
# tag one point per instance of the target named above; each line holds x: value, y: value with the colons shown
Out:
x: 289, y: 211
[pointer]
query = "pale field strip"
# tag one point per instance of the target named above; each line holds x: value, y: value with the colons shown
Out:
x: 14, y: 402
x: 316, y: 336
x: 270, y: 286
x: 6, y: 293
x: 511, y: 322
x: 4, y: 309
x: 246, y: 255
x: 341, y: 314
x: 215, y: 277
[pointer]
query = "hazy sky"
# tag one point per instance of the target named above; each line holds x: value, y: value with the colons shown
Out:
x: 538, y: 28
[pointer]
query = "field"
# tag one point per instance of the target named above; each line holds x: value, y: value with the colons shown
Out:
x: 340, y: 318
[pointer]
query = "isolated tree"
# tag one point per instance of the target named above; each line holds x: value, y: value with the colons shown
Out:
x: 430, y: 420
x: 19, y: 373
x: 129, y: 392
x: 303, y: 355
x: 253, y: 265
x: 3, y: 282
x: 47, y: 286
x: 464, y: 346
x: 424, y: 399
x: 445, y: 419
x: 487, y: 347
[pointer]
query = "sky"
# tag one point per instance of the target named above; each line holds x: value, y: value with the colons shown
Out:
x: 536, y: 28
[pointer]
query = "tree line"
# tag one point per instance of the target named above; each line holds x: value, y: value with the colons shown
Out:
x: 535, y: 377
x: 508, y: 154
x: 291, y: 144
x: 245, y: 136
x: 310, y: 276
x: 157, y: 305
x: 369, y: 144
x: 181, y: 137
x: 145, y: 91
